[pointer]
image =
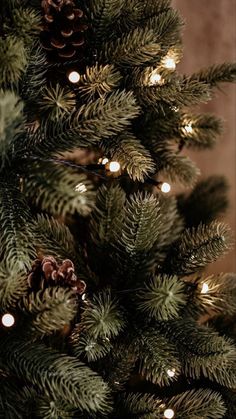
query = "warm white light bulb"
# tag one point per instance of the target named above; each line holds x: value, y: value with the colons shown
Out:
x: 80, y: 188
x: 171, y: 373
x: 105, y: 160
x: 114, y: 166
x: 188, y: 128
x: 205, y: 288
x: 169, y: 63
x: 169, y: 413
x: 155, y: 78
x: 8, y: 320
x: 74, y: 77
x: 165, y: 187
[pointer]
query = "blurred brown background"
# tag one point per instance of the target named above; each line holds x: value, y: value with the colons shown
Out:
x: 210, y: 38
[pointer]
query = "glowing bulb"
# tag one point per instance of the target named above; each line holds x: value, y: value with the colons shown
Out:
x: 74, y: 77
x: 205, y: 288
x: 169, y: 413
x: 188, y: 128
x: 165, y: 187
x: 171, y: 373
x: 114, y: 166
x: 155, y: 78
x: 169, y: 63
x: 105, y: 160
x: 80, y: 188
x: 8, y: 320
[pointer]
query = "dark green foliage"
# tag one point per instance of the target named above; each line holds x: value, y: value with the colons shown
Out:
x: 11, y: 125
x: 13, y: 285
x: 54, y: 303
x: 157, y: 357
x: 61, y: 377
x: 203, y: 351
x: 206, y: 202
x: 102, y: 317
x: 53, y: 188
x: 53, y: 237
x: 205, y: 130
x: 220, y: 296
x: 216, y: 74
x: 132, y: 155
x: 56, y: 102
x: 16, y: 236
x: 99, y: 81
x: 198, y: 247
x: 13, y: 60
x: 131, y: 335
x: 107, y: 214
x: 162, y: 297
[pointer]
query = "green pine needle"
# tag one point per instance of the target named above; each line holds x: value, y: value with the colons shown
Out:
x: 56, y: 102
x: 162, y: 297
x: 13, y: 60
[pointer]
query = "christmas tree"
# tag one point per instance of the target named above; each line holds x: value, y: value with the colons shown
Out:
x: 105, y: 309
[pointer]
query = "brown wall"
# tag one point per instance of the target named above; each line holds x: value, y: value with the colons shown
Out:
x: 210, y: 37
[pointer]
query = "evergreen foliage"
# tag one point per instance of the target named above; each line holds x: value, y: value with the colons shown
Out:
x: 116, y: 318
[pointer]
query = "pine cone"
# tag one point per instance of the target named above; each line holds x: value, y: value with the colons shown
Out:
x: 48, y: 272
x: 64, y: 26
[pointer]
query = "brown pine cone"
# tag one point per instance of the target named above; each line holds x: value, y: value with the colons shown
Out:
x: 48, y: 272
x: 63, y: 29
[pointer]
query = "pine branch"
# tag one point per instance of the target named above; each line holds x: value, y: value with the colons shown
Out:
x: 172, y: 93
x: 194, y: 404
x: 98, y: 81
x: 198, y: 404
x: 25, y: 24
x: 93, y: 122
x: 11, y: 114
x: 204, y: 130
x: 56, y: 375
x: 53, y: 237
x: 140, y: 228
x: 131, y: 154
x: 16, y: 239
x: 87, y: 346
x: 47, y: 408
x: 162, y: 297
x: 13, y: 61
x: 219, y: 299
x: 104, y: 13
x: 207, y: 201
x: 138, y: 47
x: 221, y: 73
x: 49, y: 310
x: 58, y: 190
x: 13, y: 286
x: 102, y: 318
x: 56, y: 102
x: 107, y: 214
x: 176, y: 167
x: 203, y: 351
x: 157, y: 357
x: 198, y: 247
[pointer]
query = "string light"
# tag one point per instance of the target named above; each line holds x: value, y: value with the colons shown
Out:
x: 105, y: 160
x: 80, y: 188
x: 74, y: 76
x: 188, y: 128
x: 171, y: 373
x: 155, y: 78
x: 169, y: 63
x: 205, y: 288
x: 114, y: 166
x: 165, y: 187
x: 8, y: 320
x: 169, y: 413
